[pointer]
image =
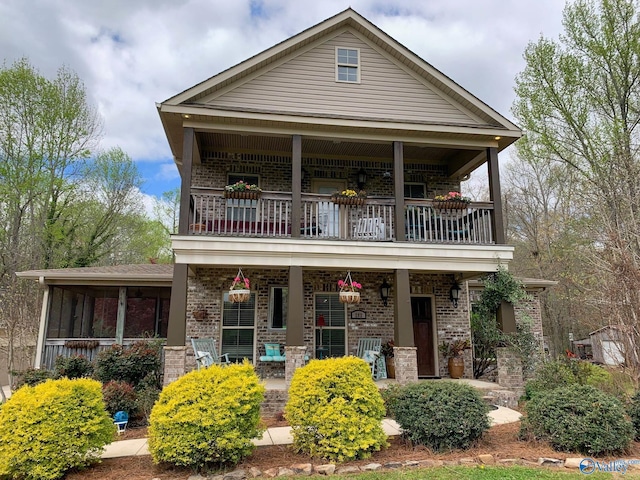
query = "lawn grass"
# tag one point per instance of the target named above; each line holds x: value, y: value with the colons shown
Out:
x: 481, y: 473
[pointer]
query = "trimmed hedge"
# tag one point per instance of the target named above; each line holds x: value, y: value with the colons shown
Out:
x: 335, y: 410
x: 578, y: 418
x: 441, y: 415
x: 53, y: 427
x: 207, y: 417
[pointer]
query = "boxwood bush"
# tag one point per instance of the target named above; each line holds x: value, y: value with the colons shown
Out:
x: 578, y: 418
x: 440, y: 415
x: 634, y: 413
x: 207, y: 417
x: 53, y: 427
x: 335, y: 410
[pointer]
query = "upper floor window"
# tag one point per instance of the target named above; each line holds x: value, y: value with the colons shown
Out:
x: 238, y: 209
x: 414, y: 190
x: 348, y: 65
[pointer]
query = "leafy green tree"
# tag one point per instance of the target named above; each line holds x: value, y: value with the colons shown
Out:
x: 579, y: 103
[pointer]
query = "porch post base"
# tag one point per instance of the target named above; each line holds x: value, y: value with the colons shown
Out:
x: 510, y: 374
x: 294, y: 359
x: 175, y: 359
x: 406, y: 362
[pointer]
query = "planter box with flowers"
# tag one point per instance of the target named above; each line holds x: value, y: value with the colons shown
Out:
x: 240, y: 289
x: 349, y: 290
x: 349, y: 197
x: 242, y: 190
x: 451, y: 201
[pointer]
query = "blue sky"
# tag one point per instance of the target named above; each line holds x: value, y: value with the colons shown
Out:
x: 132, y: 54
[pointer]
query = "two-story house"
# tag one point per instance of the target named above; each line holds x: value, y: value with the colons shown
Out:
x: 339, y: 106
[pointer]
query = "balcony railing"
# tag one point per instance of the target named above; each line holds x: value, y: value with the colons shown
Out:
x: 320, y: 218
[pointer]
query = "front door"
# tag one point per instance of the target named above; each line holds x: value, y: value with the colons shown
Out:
x: 422, y: 313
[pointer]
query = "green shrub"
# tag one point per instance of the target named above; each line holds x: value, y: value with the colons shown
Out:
x: 53, y: 427
x: 119, y: 396
x: 208, y: 416
x: 31, y: 377
x: 147, y: 394
x: 578, y: 418
x: 335, y: 410
x: 634, y: 413
x: 441, y: 415
x: 129, y: 364
x: 548, y: 376
x: 389, y: 395
x: 77, y: 366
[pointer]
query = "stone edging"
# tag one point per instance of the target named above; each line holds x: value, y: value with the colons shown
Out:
x: 302, y: 469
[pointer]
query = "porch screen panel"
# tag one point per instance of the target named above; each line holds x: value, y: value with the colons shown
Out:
x: 147, y: 312
x: 81, y: 312
x: 330, y: 340
x: 238, y: 328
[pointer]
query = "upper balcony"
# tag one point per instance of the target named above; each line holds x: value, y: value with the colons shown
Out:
x: 322, y: 217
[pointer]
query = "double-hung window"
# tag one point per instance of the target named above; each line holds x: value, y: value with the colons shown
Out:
x: 243, y: 210
x: 238, y: 328
x: 348, y: 65
x: 330, y: 321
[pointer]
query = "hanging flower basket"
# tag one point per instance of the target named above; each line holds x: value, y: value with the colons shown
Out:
x: 238, y: 296
x: 350, y: 297
x: 349, y: 290
x: 239, y: 291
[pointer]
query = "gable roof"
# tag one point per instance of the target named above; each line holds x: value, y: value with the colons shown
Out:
x: 192, y: 101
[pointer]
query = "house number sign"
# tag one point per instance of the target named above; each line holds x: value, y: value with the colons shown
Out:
x: 358, y: 315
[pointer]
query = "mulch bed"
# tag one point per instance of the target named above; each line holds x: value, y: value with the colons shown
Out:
x: 500, y: 441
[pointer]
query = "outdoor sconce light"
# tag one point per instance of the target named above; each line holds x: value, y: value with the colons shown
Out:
x: 362, y: 178
x: 454, y: 294
x: 384, y: 292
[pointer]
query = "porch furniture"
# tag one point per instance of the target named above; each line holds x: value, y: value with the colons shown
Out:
x: 272, y: 353
x: 369, y: 229
x: 206, y: 354
x: 369, y: 350
x: 121, y: 419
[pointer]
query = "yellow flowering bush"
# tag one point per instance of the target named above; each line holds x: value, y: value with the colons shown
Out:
x: 335, y: 410
x: 207, y: 417
x: 53, y: 427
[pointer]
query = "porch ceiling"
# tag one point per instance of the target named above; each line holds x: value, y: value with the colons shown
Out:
x: 229, y: 142
x: 285, y: 252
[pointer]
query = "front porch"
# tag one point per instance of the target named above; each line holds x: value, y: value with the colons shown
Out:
x: 270, y: 214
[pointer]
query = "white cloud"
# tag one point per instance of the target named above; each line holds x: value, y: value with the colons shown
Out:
x: 134, y: 53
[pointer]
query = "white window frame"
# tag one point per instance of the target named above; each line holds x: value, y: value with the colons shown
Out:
x: 246, y: 207
x: 225, y: 298
x: 316, y: 329
x: 350, y: 65
x: 284, y: 307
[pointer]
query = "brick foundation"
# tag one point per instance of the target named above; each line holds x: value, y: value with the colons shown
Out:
x: 295, y: 359
x: 406, y: 363
x: 509, y: 370
x: 174, y: 363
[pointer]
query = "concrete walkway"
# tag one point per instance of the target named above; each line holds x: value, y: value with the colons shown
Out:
x: 282, y: 435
